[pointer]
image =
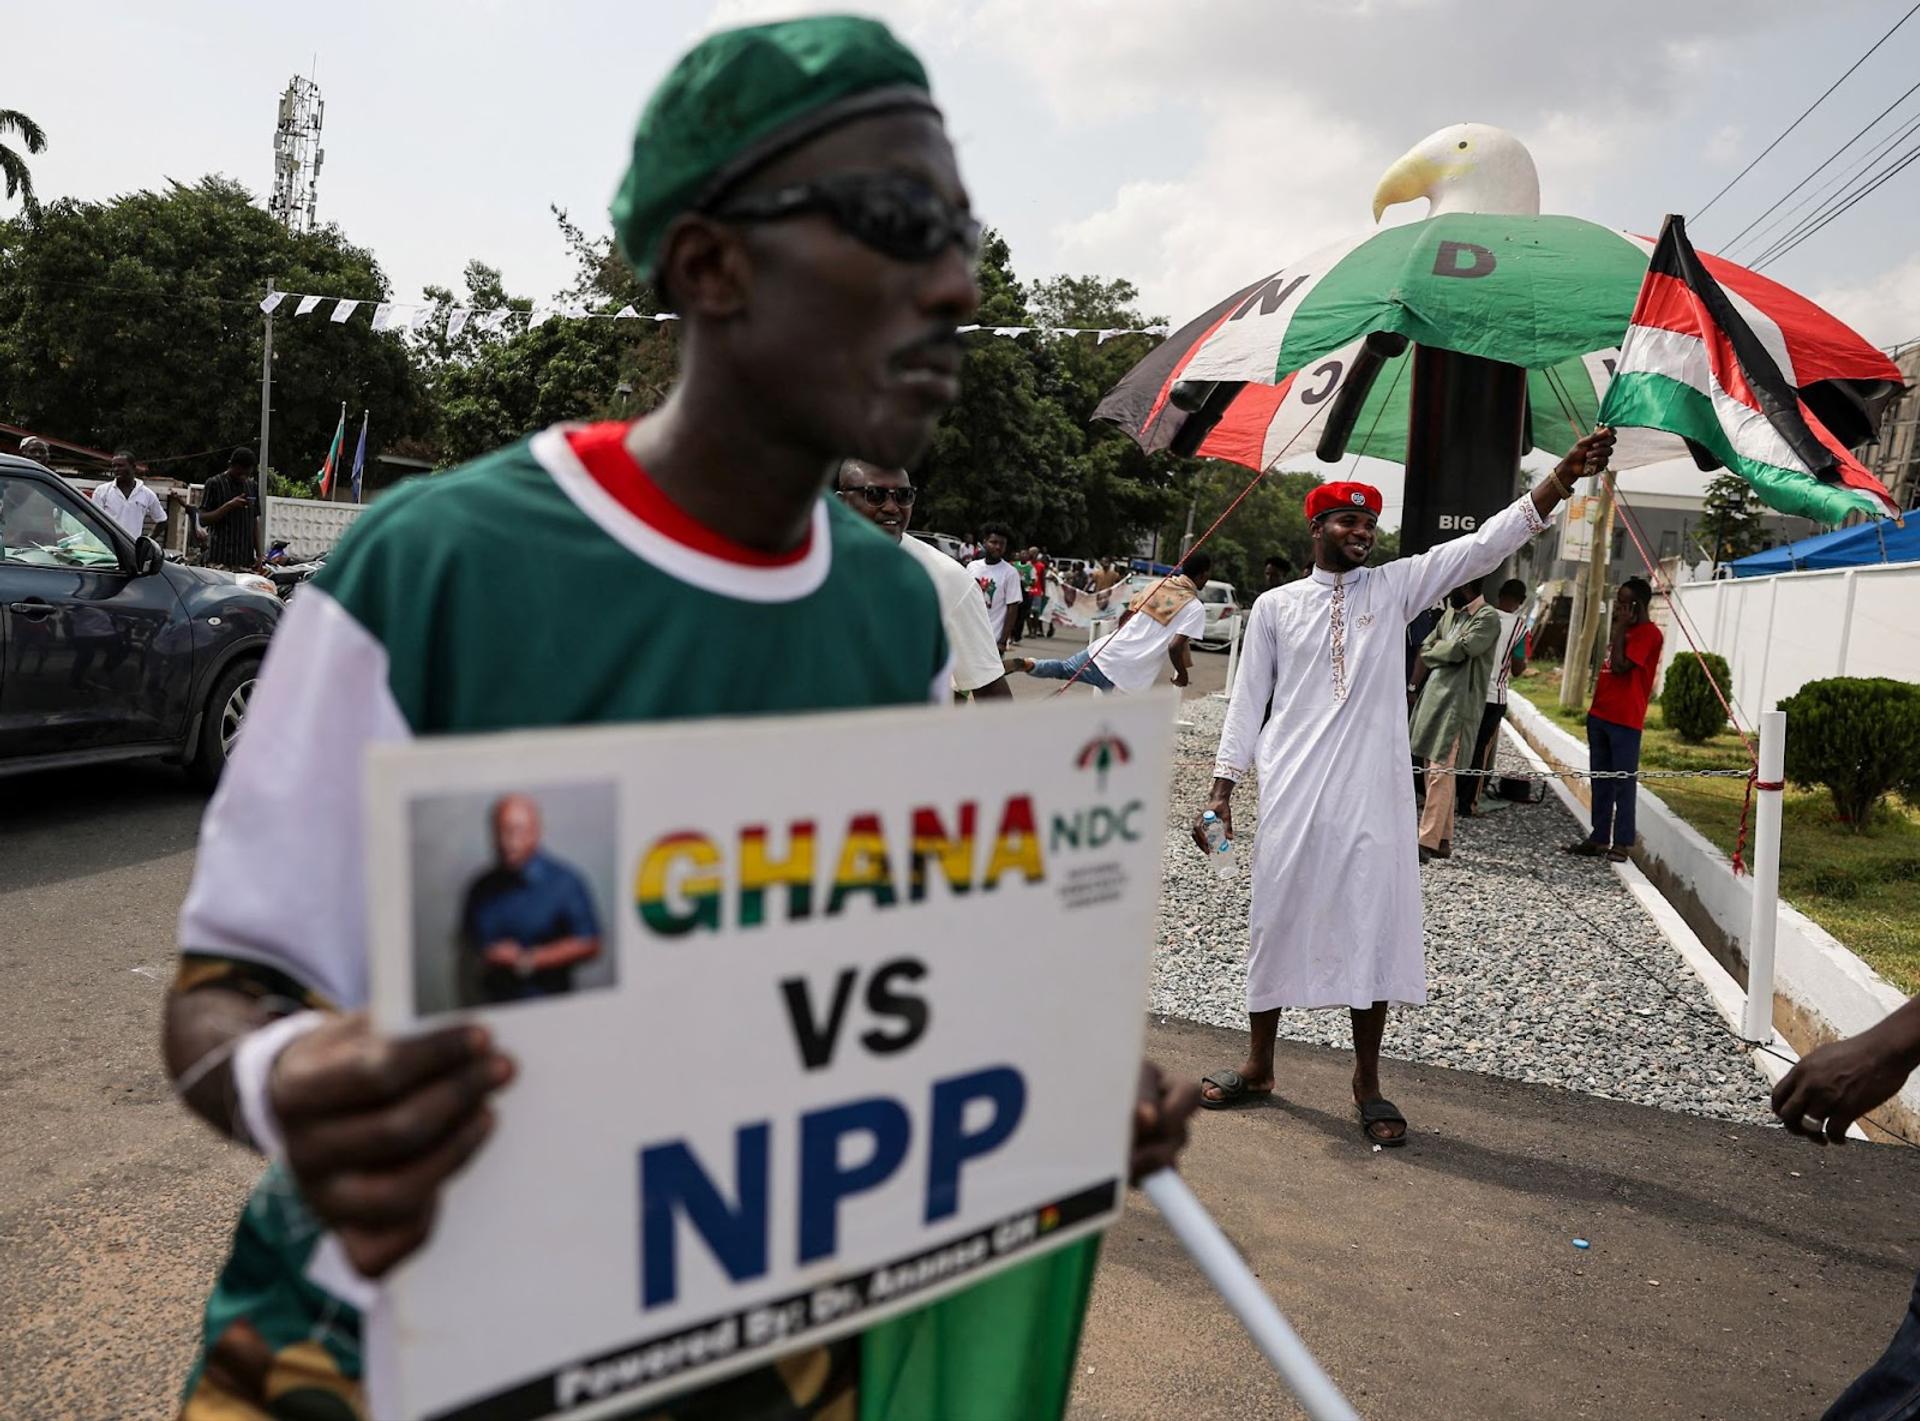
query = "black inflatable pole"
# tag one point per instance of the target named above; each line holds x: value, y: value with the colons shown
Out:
x: 1466, y: 429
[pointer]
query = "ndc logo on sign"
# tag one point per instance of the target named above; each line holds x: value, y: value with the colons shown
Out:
x: 1101, y: 754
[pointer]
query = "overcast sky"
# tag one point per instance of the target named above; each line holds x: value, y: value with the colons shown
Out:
x: 1188, y: 145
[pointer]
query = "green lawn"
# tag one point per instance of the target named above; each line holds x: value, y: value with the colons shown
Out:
x: 1863, y: 888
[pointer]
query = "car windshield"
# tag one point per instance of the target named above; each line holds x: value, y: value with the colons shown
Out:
x: 1216, y: 592
x: 38, y: 532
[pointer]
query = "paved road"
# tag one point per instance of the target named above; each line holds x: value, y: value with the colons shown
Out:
x: 114, y: 1205
x: 1734, y: 1272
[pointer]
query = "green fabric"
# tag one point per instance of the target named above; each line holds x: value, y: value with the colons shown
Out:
x: 1459, y: 653
x: 1558, y: 288
x: 502, y: 605
x: 1002, y: 1348
x: 736, y: 92
x: 1642, y: 398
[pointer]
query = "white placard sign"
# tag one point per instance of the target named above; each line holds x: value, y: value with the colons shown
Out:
x: 816, y: 1019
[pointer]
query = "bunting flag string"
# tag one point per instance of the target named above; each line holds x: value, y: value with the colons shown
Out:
x: 492, y: 320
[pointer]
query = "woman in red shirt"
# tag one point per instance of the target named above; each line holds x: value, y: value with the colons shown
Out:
x: 1615, y: 719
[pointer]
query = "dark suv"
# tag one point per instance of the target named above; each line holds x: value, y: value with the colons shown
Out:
x: 107, y: 650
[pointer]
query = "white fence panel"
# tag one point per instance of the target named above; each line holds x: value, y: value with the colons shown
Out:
x: 309, y: 525
x: 1778, y: 633
x: 1886, y: 627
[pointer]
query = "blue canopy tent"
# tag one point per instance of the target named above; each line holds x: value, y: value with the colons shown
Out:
x: 1860, y: 546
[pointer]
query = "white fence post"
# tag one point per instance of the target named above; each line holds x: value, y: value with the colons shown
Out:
x: 1758, y: 1023
x: 1233, y: 658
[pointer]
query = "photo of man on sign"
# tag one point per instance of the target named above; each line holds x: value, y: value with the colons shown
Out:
x: 512, y: 891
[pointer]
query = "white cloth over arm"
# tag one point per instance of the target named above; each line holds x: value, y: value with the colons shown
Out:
x: 280, y: 878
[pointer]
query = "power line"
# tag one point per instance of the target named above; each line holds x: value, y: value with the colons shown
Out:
x: 1818, y: 168
x: 1820, y: 195
x: 1893, y: 170
x: 1809, y: 109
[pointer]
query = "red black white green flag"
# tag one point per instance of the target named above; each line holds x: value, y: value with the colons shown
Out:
x: 334, y: 450
x: 1692, y: 365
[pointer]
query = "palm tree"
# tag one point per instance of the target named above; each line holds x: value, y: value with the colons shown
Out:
x: 19, y: 180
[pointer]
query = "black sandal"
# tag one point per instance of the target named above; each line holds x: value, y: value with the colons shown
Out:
x: 1382, y: 1112
x: 1233, y: 1089
x: 1586, y: 849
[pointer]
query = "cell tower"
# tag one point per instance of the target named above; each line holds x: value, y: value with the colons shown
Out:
x: 297, y: 156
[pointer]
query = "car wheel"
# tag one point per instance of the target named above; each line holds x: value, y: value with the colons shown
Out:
x: 221, y: 719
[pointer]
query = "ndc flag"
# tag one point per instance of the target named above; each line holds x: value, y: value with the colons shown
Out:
x: 1693, y: 366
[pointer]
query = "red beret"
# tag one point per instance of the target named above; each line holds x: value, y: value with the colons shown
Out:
x: 1329, y: 498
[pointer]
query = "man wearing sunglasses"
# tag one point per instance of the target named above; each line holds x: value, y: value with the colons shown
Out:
x: 884, y: 497
x: 793, y: 195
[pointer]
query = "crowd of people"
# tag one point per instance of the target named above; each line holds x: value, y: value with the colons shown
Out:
x: 820, y: 207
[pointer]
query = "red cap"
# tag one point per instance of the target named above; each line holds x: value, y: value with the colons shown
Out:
x: 1330, y: 498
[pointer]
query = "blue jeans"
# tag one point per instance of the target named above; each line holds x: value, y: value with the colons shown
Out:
x: 1613, y: 747
x: 1068, y: 669
x: 1889, y: 1390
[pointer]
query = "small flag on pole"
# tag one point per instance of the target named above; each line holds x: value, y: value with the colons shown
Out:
x: 334, y: 450
x: 360, y: 456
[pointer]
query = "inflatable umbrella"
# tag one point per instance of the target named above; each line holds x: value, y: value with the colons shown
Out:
x: 1514, y: 320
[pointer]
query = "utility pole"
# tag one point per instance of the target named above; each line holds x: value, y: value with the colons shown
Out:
x: 1580, y: 643
x: 261, y: 483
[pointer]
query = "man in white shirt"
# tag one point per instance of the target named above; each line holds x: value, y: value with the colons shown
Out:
x: 999, y: 584
x: 884, y: 497
x: 1158, y: 624
x: 1513, y: 595
x: 127, y: 501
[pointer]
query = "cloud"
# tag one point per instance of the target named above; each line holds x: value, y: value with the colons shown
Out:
x: 1726, y: 145
x: 1883, y: 308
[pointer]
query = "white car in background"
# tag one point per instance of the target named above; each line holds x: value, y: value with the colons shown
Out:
x: 1223, y: 605
x: 940, y: 543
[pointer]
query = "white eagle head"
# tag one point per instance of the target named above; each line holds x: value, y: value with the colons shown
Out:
x: 1467, y: 167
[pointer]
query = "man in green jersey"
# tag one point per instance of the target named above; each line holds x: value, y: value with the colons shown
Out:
x: 793, y: 195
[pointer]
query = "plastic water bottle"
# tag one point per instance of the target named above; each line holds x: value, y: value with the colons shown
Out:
x: 1219, y: 846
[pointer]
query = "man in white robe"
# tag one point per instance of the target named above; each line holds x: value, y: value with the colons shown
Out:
x: 1336, y: 874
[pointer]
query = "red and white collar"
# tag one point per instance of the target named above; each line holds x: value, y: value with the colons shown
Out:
x: 592, y: 466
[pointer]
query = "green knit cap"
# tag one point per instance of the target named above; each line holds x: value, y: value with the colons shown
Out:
x: 741, y: 98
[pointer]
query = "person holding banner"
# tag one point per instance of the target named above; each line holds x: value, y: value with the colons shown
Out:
x: 792, y: 190
x: 1336, y: 872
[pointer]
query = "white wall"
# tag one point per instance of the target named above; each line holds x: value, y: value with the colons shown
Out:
x: 307, y: 524
x: 1780, y: 632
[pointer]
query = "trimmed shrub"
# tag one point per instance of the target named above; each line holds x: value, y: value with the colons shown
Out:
x: 1687, y: 700
x: 1857, y: 735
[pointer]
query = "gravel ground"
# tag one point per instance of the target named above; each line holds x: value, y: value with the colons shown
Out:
x: 1517, y: 984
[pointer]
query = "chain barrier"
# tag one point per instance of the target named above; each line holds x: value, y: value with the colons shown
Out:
x: 1499, y: 774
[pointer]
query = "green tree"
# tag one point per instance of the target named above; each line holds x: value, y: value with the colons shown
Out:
x: 135, y: 322
x: 1003, y: 453
x: 491, y: 388
x: 1733, y: 521
x: 32, y: 138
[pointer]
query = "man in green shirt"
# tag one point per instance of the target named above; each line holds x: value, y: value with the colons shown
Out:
x: 792, y: 191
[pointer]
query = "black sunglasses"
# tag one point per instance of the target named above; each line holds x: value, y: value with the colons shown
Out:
x: 877, y: 497
x: 897, y: 216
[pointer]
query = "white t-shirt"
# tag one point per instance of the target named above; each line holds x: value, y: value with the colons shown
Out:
x: 132, y: 511
x: 999, y: 586
x: 1133, y: 657
x: 963, y: 611
x: 1510, y: 628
